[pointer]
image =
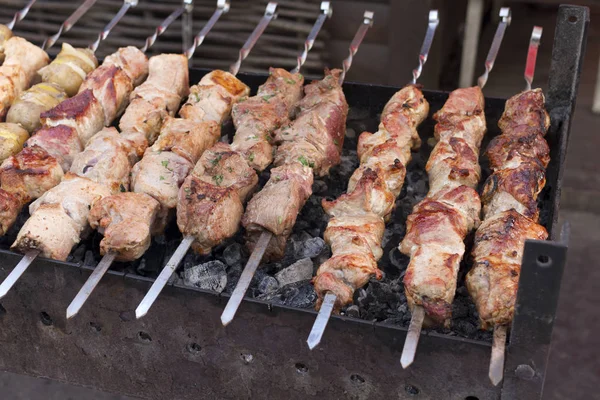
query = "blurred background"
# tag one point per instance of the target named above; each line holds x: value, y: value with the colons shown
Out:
x: 387, y: 56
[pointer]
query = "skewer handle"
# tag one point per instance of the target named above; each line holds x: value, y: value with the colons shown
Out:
x: 127, y: 4
x: 326, y: 12
x: 260, y: 28
x: 316, y: 333
x: 505, y: 18
x: 68, y: 24
x: 534, y: 44
x: 187, y: 25
x: 19, y: 15
x: 433, y: 24
x: 164, y: 276
x: 222, y: 8
x: 150, y: 40
x: 16, y: 273
x: 358, y: 38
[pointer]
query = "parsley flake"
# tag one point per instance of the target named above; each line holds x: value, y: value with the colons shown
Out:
x: 165, y: 163
x: 218, y: 179
x: 305, y: 162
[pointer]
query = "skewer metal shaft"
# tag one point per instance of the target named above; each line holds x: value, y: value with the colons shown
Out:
x: 316, y: 333
x: 160, y: 29
x: 68, y: 24
x: 326, y: 12
x: 164, y: 276
x: 412, y: 337
x: 16, y: 273
x: 505, y: 18
x: 244, y: 282
x: 433, y: 24
x: 127, y: 4
x: 19, y: 15
x: 534, y: 44
x: 496, y: 372
x: 89, y: 286
x: 358, y: 38
x: 260, y: 28
x: 222, y: 8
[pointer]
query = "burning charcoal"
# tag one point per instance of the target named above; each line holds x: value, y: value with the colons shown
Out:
x: 398, y: 259
x: 353, y: 311
x: 300, y: 295
x: 89, y: 260
x: 268, y: 285
x: 310, y: 248
x: 298, y: 271
x: 319, y: 187
x: 232, y: 255
x: 77, y: 255
x: 210, y: 276
x: 350, y: 133
x: 348, y: 163
x: 464, y: 328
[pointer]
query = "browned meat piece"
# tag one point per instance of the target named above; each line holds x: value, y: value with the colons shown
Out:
x: 111, y: 87
x: 10, y: 207
x: 186, y: 138
x: 438, y: 225
x: 61, y: 142
x: 497, y: 254
x: 257, y: 118
x: 30, y: 173
x: 50, y: 230
x: 518, y: 159
x: 212, y: 98
x: 125, y: 220
x: 82, y: 112
x: 315, y: 138
x: 132, y: 61
x: 107, y: 159
x: 201, y: 205
x: 158, y: 97
x: 276, y: 207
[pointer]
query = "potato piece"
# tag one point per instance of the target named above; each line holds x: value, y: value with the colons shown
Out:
x: 70, y: 68
x: 30, y: 104
x: 12, y: 138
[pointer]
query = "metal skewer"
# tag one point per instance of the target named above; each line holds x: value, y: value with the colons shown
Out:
x: 496, y: 371
x: 19, y: 15
x: 355, y: 44
x: 31, y: 255
x: 68, y: 24
x: 418, y: 313
x: 107, y: 260
x: 127, y: 4
x: 160, y: 29
x: 222, y: 8
x: 186, y: 243
x: 318, y: 328
x: 265, y: 237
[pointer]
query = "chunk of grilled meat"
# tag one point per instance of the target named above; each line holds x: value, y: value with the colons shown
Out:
x: 355, y: 230
x: 158, y: 97
x: 132, y: 61
x: 518, y: 159
x: 70, y: 68
x: 12, y: 138
x: 125, y: 220
x: 10, y: 206
x: 438, y: 225
x: 61, y: 142
x: 30, y: 173
x: 23, y: 60
x: 31, y: 103
x: 312, y: 141
x: 5, y: 34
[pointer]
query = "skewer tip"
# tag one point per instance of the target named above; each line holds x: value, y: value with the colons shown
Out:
x: 71, y: 312
x: 140, y: 312
x: 316, y: 333
x: 496, y: 372
x: 412, y: 337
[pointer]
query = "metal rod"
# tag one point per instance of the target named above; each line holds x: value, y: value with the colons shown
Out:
x: 150, y: 40
x: 260, y: 28
x: 491, y: 57
x: 326, y: 12
x: 496, y: 372
x: 68, y: 24
x: 187, y: 23
x: 534, y: 44
x: 164, y: 276
x: 127, y: 4
x: 246, y: 277
x: 412, y: 337
x: 358, y: 38
x: 19, y: 15
x: 431, y: 27
x: 222, y: 8
x: 470, y: 42
x: 16, y: 273
x: 316, y: 333
x: 89, y: 286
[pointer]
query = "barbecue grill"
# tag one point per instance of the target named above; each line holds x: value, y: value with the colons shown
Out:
x: 180, y: 349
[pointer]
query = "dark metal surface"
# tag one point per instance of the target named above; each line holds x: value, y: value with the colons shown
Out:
x: 181, y: 351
